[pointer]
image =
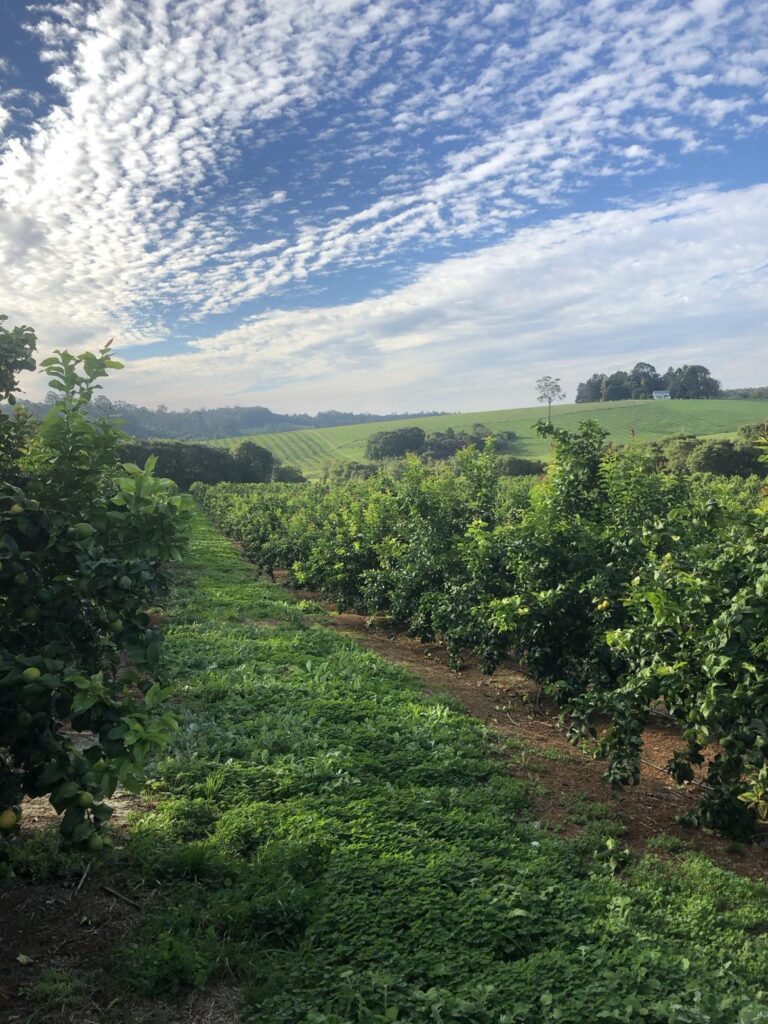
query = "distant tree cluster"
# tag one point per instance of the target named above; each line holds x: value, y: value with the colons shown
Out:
x: 440, y: 445
x: 341, y: 472
x: 513, y: 465
x: 287, y: 475
x: 761, y: 392
x: 643, y: 379
x: 186, y: 463
x: 209, y: 424
x: 685, y: 453
x: 394, y: 444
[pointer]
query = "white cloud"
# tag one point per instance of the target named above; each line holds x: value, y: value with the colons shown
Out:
x: 155, y: 103
x: 681, y: 280
x: 744, y: 75
x: 123, y: 211
x: 636, y: 152
x: 500, y: 13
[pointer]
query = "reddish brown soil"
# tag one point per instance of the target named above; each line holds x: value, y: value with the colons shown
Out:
x: 511, y: 704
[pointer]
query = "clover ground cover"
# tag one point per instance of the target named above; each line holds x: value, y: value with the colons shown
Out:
x: 340, y: 847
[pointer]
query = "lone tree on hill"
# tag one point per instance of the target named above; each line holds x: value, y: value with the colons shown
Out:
x: 548, y: 390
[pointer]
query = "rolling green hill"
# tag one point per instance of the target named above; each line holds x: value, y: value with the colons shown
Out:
x: 646, y: 420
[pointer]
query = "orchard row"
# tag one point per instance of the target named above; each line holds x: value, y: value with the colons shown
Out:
x: 621, y: 588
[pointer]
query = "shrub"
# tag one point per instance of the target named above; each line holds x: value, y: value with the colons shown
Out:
x: 721, y: 457
x: 288, y: 475
x: 754, y: 432
x: 512, y: 465
x: 83, y: 546
x: 392, y: 444
x: 726, y: 458
x: 186, y: 463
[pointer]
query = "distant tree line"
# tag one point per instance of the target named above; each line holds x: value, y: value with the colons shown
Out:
x: 761, y: 392
x: 185, y: 463
x: 442, y: 444
x: 209, y: 424
x: 642, y: 380
x: 682, y: 454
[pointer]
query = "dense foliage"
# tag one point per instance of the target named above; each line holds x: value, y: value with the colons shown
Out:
x: 642, y: 380
x: 621, y: 587
x: 514, y: 465
x: 184, y: 463
x: 749, y: 393
x: 339, y: 472
x: 393, y: 444
x: 720, y: 456
x: 752, y: 432
x: 435, y: 447
x: 335, y: 846
x: 83, y: 546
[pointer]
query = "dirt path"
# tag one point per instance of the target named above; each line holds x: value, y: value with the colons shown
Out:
x: 567, y: 780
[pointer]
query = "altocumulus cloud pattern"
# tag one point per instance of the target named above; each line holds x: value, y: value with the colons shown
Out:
x: 388, y: 203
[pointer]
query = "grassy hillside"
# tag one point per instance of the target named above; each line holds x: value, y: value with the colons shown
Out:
x: 312, y: 449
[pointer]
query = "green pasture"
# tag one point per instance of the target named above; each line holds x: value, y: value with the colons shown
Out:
x: 311, y: 450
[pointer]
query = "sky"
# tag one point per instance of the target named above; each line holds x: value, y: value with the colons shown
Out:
x: 385, y: 205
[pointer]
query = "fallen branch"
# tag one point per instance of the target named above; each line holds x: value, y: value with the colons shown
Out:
x: 83, y: 877
x: 690, y: 782
x: 120, y: 896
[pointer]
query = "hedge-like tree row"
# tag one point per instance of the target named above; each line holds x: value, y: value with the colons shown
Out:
x: 620, y: 586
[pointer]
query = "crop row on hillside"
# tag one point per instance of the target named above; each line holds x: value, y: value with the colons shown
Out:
x: 311, y: 450
x: 620, y: 587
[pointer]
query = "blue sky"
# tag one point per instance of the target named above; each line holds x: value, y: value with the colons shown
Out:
x: 386, y: 205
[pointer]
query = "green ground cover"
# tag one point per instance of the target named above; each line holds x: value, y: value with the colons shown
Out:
x: 354, y: 850
x: 349, y: 849
x: 310, y: 450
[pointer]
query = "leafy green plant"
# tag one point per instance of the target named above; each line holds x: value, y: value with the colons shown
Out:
x: 57, y: 989
x: 612, y: 856
x: 84, y: 543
